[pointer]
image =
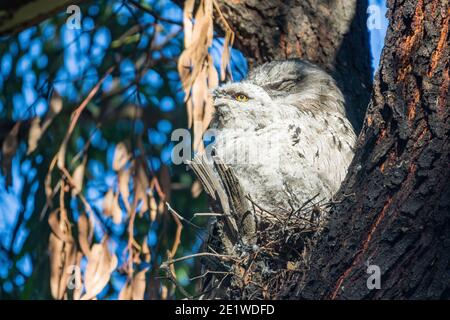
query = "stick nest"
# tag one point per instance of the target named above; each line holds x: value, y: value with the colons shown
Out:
x: 253, y: 253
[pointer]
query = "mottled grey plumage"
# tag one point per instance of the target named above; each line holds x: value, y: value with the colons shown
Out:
x: 295, y: 117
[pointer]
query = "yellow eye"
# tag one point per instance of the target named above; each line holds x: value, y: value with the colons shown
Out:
x: 241, y: 97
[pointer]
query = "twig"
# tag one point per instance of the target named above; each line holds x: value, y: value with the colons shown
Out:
x: 171, y: 210
x: 209, y: 214
x: 201, y: 254
x: 153, y: 13
x: 208, y: 272
x: 262, y: 209
x: 174, y: 280
x: 177, y: 238
x: 73, y: 121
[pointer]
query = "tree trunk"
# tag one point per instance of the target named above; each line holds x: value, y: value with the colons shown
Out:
x: 392, y: 212
x: 395, y: 203
x: 331, y: 34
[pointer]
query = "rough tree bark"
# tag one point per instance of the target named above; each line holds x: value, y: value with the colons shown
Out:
x: 399, y: 215
x: 393, y: 209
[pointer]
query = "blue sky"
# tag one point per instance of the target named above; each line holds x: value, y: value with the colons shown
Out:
x: 377, y: 25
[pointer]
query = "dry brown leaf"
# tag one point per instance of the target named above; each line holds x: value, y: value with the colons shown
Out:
x: 164, y: 292
x: 77, y: 177
x: 124, y: 189
x: 153, y: 208
x: 134, y: 289
x: 225, y: 59
x: 146, y: 250
x: 141, y: 185
x: 55, y: 248
x: 197, y: 52
x: 144, y: 206
x: 190, y: 112
x: 59, y: 227
x: 126, y: 291
x: 98, y: 270
x: 108, y: 203
x: 141, y: 180
x: 121, y: 156
x: 196, y: 189
x: 136, y: 259
x: 199, y: 93
x: 56, y: 105
x: 187, y: 21
x: 48, y: 187
x: 83, y: 234
x: 111, y: 206
x: 213, y: 81
x: 200, y: 32
x: 61, y: 156
x: 184, y: 70
x: 196, y: 67
x: 116, y: 211
x: 213, y: 76
x: 139, y: 285
x: 162, y: 209
x: 78, y: 283
x: 34, y: 135
x: 177, y: 237
x: 227, y: 43
x: 208, y: 114
x: 63, y: 255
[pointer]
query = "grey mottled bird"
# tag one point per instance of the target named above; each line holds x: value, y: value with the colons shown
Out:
x: 285, y: 133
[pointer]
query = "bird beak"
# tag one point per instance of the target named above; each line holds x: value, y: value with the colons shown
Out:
x: 220, y: 104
